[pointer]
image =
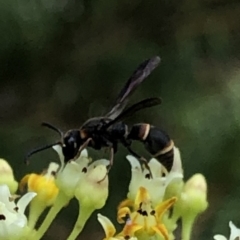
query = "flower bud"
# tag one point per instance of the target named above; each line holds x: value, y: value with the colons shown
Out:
x: 192, y: 202
x: 46, y: 189
x: 195, y: 191
x: 7, y: 177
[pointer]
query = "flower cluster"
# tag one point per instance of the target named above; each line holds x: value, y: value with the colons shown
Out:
x: 13, y: 222
x: 156, y: 200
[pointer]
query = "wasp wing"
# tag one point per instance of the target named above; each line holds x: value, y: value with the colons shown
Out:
x: 141, y: 73
x: 146, y: 103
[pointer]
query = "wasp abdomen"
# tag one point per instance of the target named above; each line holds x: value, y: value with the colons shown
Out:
x: 139, y: 132
x: 156, y: 142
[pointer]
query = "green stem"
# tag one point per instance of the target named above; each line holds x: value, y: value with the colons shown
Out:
x: 36, y: 209
x: 60, y: 202
x: 83, y: 216
x: 187, y: 225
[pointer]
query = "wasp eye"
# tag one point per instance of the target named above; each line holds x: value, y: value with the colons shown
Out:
x: 71, y: 140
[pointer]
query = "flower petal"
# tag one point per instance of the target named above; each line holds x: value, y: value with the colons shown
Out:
x: 177, y: 162
x: 4, y: 193
x: 67, y: 179
x: 155, y: 167
x: 122, y: 213
x: 83, y: 157
x: 135, y: 164
x: 235, y: 232
x: 164, y: 206
x: 84, y: 153
x: 142, y: 196
x: 130, y: 228
x: 219, y: 237
x: 8, y: 216
x: 58, y: 149
x: 5, y: 197
x: 94, y: 164
x: 23, y: 182
x: 161, y: 230
x: 52, y: 170
x: 126, y: 203
x: 107, y: 225
x: 173, y: 176
x: 24, y: 201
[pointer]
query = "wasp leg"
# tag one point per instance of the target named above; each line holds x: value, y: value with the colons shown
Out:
x: 110, y: 163
x: 85, y: 144
x: 141, y: 159
x: 110, y: 160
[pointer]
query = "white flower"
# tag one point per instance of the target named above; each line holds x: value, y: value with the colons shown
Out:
x: 156, y: 185
x: 88, y: 183
x: 235, y: 233
x: 13, y: 222
x: 177, y: 161
x: 91, y: 192
x: 70, y: 173
x: 92, y: 189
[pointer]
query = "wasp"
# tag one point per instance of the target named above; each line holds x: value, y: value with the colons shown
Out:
x: 109, y: 131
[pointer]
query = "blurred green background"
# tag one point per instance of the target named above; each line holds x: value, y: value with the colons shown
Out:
x: 63, y: 61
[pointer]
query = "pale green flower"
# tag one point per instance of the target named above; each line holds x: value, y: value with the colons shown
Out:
x: 156, y: 186
x: 71, y: 172
x: 91, y: 192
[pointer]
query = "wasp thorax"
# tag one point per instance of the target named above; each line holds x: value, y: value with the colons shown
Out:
x: 71, y: 144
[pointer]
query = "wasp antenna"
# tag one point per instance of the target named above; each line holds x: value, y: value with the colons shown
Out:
x: 36, y: 150
x: 48, y: 125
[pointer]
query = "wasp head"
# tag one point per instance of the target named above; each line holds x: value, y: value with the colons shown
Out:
x: 71, y: 143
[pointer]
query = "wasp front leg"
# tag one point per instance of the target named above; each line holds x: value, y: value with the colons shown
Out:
x: 83, y: 146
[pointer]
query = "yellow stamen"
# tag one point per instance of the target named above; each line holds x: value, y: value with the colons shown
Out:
x: 142, y: 196
x: 146, y: 218
x: 130, y: 228
x: 122, y: 213
x: 161, y: 230
x: 164, y: 206
x: 107, y: 225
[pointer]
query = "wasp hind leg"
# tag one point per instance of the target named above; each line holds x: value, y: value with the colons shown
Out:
x: 109, y: 166
x: 141, y: 159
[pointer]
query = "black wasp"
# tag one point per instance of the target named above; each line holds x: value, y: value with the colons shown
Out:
x: 109, y: 131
